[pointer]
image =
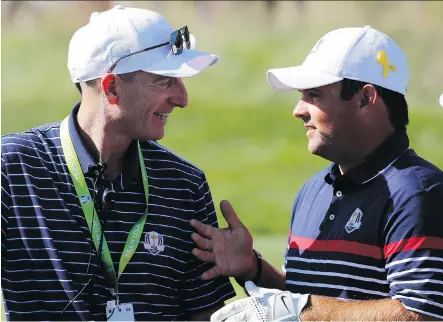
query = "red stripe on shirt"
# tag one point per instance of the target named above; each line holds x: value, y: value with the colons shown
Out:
x: 412, y: 244
x: 341, y: 246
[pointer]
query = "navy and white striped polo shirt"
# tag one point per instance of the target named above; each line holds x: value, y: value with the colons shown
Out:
x: 46, y: 240
x: 374, y: 233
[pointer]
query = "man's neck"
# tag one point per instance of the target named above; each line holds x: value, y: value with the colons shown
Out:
x: 102, y: 139
x: 363, y: 151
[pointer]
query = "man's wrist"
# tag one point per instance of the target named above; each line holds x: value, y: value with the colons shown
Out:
x: 259, y: 266
x: 305, y: 312
x: 254, y: 274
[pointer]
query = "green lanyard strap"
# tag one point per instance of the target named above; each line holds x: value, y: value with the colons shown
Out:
x: 88, y: 208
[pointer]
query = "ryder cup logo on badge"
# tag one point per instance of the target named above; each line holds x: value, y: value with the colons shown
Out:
x: 354, y: 222
x: 84, y: 199
x: 154, y: 242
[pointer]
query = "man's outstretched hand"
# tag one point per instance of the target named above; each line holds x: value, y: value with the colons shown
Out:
x: 229, y: 249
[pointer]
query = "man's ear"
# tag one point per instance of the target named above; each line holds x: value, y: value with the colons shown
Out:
x: 109, y: 88
x: 369, y: 95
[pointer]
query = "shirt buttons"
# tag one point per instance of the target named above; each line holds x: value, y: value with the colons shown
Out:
x: 331, y: 217
x: 339, y: 193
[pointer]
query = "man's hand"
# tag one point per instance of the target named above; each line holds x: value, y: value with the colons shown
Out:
x: 229, y: 249
x: 263, y: 305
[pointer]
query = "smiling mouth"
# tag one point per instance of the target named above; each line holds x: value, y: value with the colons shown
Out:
x: 161, y: 116
x: 310, y: 127
x: 310, y: 130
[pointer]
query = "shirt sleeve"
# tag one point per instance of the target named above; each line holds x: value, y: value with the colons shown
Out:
x: 414, y: 252
x: 197, y: 294
x: 6, y: 204
x: 5, y: 211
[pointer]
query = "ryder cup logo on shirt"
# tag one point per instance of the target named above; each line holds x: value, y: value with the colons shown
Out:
x: 154, y: 242
x: 354, y: 222
x: 84, y: 199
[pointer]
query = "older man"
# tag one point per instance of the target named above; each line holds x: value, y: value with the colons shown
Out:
x: 95, y: 213
x: 366, y: 237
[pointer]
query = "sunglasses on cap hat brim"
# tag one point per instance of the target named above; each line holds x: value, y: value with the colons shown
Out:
x: 177, y: 41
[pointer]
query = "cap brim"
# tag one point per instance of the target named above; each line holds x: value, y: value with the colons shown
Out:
x: 189, y: 63
x: 298, y: 78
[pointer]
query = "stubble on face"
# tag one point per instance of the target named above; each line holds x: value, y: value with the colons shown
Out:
x: 332, y: 118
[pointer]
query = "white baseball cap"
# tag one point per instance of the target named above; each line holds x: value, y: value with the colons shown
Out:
x: 362, y: 54
x: 120, y: 31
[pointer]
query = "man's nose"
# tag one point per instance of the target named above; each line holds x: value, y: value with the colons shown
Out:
x: 300, y: 110
x: 179, y: 95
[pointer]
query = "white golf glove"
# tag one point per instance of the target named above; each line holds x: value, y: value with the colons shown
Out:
x: 263, y: 304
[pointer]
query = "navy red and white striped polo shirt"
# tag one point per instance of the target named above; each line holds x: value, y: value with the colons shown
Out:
x: 46, y: 240
x: 374, y: 233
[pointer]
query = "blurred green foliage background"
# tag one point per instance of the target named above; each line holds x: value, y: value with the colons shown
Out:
x: 235, y: 128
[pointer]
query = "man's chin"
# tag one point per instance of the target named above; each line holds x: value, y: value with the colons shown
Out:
x: 321, y: 151
x: 156, y: 137
x: 312, y: 147
x: 316, y: 149
x: 152, y: 137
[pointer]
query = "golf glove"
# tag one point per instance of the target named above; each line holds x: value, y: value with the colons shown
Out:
x: 263, y: 304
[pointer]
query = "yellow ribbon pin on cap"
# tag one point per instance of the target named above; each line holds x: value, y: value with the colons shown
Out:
x: 382, y: 58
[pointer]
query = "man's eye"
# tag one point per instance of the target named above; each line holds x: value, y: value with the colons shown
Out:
x: 313, y: 95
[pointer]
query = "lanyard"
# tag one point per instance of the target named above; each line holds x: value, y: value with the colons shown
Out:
x: 86, y: 202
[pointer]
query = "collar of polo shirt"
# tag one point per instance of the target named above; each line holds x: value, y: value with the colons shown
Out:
x: 379, y: 159
x: 131, y: 165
